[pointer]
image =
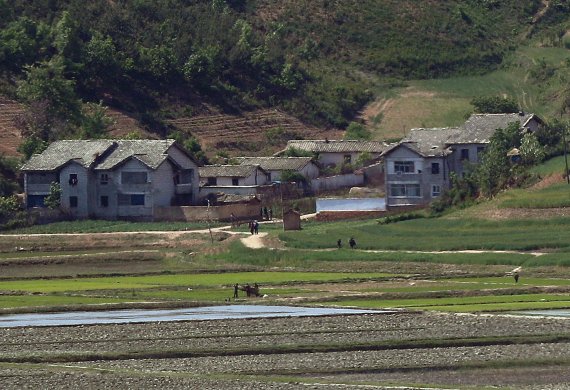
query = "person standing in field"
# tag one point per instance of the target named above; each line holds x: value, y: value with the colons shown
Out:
x: 236, y: 288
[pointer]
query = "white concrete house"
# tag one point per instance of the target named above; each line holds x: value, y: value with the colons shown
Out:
x: 330, y: 153
x: 112, y: 178
x: 232, y: 175
x: 418, y: 167
x: 275, y: 166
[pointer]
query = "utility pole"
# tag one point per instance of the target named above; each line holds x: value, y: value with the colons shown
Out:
x: 209, y: 227
x: 565, y: 124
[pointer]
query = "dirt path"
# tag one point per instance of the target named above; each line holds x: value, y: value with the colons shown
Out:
x: 254, y: 241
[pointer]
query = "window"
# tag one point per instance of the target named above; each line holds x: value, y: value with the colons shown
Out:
x: 480, y: 150
x: 411, y: 190
x: 130, y: 199
x: 73, y: 202
x: 104, y: 201
x: 73, y: 179
x: 347, y: 158
x: 134, y: 178
x: 435, y: 168
x: 235, y: 181
x: 465, y: 154
x: 104, y: 178
x: 435, y: 190
x: 186, y: 176
x: 212, y: 181
x: 404, y: 167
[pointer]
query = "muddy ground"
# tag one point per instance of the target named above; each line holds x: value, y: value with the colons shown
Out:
x: 402, y: 350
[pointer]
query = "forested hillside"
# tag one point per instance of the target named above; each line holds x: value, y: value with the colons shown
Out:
x: 318, y: 61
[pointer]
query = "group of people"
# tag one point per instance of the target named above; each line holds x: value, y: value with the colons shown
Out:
x: 351, y: 242
x: 266, y: 214
x: 253, y: 226
x: 249, y: 290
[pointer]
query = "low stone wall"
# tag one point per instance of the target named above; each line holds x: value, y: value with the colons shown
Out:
x: 201, y: 213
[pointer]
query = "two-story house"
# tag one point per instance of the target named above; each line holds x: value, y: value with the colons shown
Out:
x: 112, y: 178
x: 418, y: 167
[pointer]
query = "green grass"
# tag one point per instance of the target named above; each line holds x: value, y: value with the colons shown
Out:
x: 16, y: 301
x: 185, y: 280
x: 436, y: 234
x: 549, y: 167
x: 102, y: 226
x: 557, y: 195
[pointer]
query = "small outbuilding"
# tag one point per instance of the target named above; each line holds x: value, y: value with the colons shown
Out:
x: 291, y: 220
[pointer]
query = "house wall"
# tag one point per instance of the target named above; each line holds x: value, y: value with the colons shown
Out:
x: 334, y: 182
x: 145, y: 189
x: 337, y: 159
x: 38, y: 183
x: 421, y: 177
x: 257, y: 177
x: 81, y: 190
x: 163, y: 187
x: 311, y: 171
x: 187, y: 163
x: 202, y: 213
x: 236, y: 190
x: 461, y: 166
x: 108, y: 190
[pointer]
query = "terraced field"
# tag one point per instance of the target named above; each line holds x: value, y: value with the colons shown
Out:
x: 9, y: 135
x: 248, y: 131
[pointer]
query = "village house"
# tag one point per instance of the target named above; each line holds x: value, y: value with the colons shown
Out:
x: 112, y: 178
x: 275, y: 166
x: 418, y: 167
x: 332, y: 153
x: 232, y: 175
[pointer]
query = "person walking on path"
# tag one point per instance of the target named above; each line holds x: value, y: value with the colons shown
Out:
x: 256, y: 227
x: 251, y: 227
x: 352, y: 243
x: 236, y: 289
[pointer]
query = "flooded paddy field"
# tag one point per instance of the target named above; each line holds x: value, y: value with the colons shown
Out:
x: 396, y: 350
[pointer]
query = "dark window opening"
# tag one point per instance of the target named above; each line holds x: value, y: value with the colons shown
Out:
x: 134, y: 178
x: 212, y: 181
x: 73, y: 202
x: 435, y: 168
x: 104, y: 178
x: 235, y: 181
x: 104, y: 201
x: 465, y: 154
x: 72, y: 179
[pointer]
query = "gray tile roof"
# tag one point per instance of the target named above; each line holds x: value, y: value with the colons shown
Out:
x: 479, y: 128
x: 430, y: 142
x: 276, y: 163
x: 150, y: 152
x: 89, y: 152
x: 59, y: 153
x: 338, y: 146
x: 227, y: 170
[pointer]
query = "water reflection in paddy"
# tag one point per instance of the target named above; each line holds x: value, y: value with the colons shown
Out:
x: 186, y: 314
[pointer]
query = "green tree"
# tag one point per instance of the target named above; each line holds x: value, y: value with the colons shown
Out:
x: 46, y: 84
x: 493, y: 173
x: 357, y: 130
x: 95, y: 122
x: 32, y: 145
x: 494, y: 105
x: 532, y: 152
x: 291, y: 176
x: 53, y: 200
